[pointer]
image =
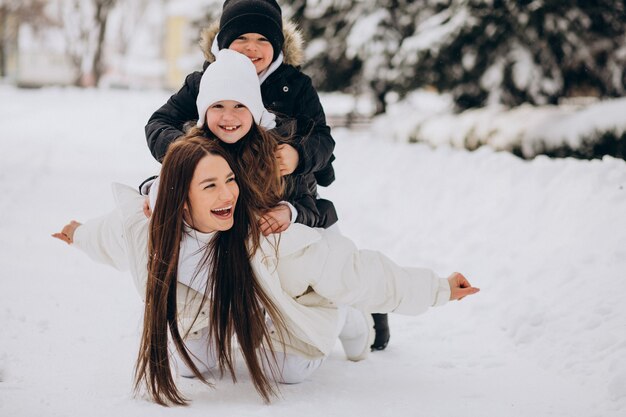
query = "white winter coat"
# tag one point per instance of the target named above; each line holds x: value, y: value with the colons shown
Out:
x: 314, y: 271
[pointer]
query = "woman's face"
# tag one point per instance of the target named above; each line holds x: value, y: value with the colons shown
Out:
x: 213, y: 194
x: 256, y: 47
x: 229, y: 120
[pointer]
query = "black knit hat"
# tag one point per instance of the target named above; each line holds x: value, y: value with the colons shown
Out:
x: 251, y: 16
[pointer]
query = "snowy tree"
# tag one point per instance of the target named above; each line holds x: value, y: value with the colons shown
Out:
x: 325, y: 25
x: 374, y: 38
x: 131, y: 12
x: 516, y: 51
x: 481, y: 51
x: 84, y: 26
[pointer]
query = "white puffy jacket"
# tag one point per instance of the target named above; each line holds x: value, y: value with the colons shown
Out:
x: 307, y: 273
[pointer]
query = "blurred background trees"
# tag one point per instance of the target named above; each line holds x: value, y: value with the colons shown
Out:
x: 480, y: 51
x: 84, y: 26
x: 39, y: 39
x: 14, y: 13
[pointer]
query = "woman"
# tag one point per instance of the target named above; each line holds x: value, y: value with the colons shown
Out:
x: 211, y: 276
x: 298, y: 277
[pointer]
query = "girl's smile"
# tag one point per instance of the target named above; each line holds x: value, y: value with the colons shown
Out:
x: 229, y: 120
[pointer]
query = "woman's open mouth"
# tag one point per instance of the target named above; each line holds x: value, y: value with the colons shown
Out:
x: 230, y: 129
x: 223, y: 213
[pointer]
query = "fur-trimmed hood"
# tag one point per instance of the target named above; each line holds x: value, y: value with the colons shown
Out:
x: 293, y: 48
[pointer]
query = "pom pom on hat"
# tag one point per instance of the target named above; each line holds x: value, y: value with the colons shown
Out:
x: 233, y: 77
x: 251, y: 16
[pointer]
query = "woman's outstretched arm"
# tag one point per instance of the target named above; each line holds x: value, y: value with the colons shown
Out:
x: 102, y: 239
x: 338, y: 271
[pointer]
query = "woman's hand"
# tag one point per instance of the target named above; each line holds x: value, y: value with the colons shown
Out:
x: 67, y: 233
x: 275, y: 220
x: 146, y: 208
x: 288, y: 159
x: 460, y: 287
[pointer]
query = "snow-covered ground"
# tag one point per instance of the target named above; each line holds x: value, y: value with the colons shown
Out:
x: 545, y: 241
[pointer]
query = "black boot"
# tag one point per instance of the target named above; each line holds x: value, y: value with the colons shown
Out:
x: 381, y: 326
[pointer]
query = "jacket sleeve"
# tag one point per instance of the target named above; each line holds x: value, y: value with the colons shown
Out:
x: 367, y: 280
x: 102, y: 239
x: 120, y: 238
x: 312, y: 212
x: 315, y: 212
x: 313, y: 140
x: 307, y: 210
x: 166, y: 124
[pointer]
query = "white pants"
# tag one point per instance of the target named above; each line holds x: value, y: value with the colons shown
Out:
x: 291, y: 368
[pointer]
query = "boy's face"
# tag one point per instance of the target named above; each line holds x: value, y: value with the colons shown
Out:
x: 256, y: 47
x: 229, y: 120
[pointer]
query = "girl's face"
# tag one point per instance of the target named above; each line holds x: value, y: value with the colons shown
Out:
x: 213, y: 195
x: 256, y: 47
x: 229, y: 120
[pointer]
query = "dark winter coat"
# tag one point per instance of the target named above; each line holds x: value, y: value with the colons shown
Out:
x: 289, y: 94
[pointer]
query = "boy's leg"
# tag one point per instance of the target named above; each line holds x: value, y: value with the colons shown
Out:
x: 381, y: 326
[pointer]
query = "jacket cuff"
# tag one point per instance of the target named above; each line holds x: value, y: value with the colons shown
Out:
x: 442, y: 292
x: 305, y: 161
x: 294, y: 211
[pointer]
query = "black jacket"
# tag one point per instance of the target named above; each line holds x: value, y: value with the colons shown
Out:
x: 289, y: 94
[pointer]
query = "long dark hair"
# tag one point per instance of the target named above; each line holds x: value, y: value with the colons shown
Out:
x: 237, y: 303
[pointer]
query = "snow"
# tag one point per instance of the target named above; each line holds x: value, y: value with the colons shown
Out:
x: 533, y: 129
x: 545, y: 240
x: 338, y: 104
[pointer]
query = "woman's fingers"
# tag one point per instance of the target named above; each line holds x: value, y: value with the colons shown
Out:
x: 464, y: 292
x: 460, y: 287
x: 146, y: 208
x: 67, y: 233
x: 63, y: 237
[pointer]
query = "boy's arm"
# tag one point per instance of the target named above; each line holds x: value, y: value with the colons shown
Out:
x: 166, y: 124
x: 312, y: 212
x: 315, y: 212
x: 313, y: 140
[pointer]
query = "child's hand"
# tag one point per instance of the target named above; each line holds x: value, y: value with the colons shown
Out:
x: 67, y: 233
x: 288, y: 159
x: 275, y: 220
x: 460, y: 287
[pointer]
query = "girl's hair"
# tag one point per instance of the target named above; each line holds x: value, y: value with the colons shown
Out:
x: 237, y: 303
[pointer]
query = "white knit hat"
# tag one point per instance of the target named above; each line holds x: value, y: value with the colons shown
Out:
x: 233, y: 77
